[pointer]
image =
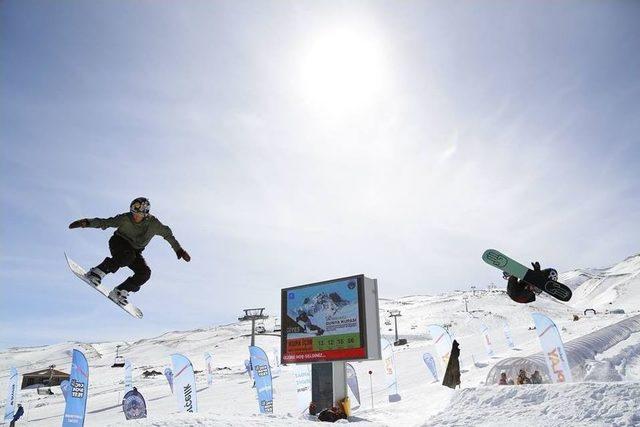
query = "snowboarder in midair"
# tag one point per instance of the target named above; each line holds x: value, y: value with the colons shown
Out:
x: 306, y: 319
x: 134, y: 231
x: 523, y: 292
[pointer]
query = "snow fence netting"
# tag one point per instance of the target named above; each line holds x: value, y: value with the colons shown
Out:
x: 579, y: 351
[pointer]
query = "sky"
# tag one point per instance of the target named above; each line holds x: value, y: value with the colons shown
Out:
x: 289, y: 142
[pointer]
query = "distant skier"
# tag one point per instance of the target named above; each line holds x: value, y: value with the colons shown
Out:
x: 134, y: 231
x: 523, y: 292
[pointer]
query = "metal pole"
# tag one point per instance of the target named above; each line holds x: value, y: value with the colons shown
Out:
x: 395, y: 318
x: 253, y: 334
x: 371, y: 387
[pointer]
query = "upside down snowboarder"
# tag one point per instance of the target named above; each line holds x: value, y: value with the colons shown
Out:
x: 134, y: 231
x: 523, y: 292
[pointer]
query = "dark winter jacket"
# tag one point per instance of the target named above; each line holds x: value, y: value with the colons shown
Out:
x: 536, y: 378
x: 523, y: 379
x: 517, y: 291
x: 18, y: 414
x: 452, y: 374
x: 138, y: 234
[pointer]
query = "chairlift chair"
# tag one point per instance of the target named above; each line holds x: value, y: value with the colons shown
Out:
x: 118, y: 362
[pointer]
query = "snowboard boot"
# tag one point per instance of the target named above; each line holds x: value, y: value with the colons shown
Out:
x: 95, y: 275
x: 119, y: 296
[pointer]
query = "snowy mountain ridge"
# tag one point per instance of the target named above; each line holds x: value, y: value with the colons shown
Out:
x: 481, y: 405
x: 615, y: 287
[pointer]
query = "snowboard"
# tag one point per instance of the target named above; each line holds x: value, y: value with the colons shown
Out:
x: 80, y: 272
x: 535, y: 278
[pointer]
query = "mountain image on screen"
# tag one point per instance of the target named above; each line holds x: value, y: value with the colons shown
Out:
x: 323, y: 303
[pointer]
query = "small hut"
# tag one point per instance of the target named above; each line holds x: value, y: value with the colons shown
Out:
x: 45, y: 377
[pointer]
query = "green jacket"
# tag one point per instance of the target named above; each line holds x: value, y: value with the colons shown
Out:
x: 138, y: 234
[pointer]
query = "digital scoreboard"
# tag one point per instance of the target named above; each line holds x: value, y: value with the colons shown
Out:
x: 331, y: 320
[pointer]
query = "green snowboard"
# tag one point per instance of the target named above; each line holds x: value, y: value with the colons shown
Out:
x: 535, y: 278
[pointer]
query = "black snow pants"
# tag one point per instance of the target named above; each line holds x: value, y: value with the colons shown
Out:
x: 124, y: 255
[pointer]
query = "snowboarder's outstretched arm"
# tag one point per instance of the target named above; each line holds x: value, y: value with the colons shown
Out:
x: 104, y: 223
x: 167, y: 234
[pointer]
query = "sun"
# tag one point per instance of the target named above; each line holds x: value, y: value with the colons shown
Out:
x: 343, y: 70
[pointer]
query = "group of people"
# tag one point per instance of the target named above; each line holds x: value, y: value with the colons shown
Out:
x: 522, y: 378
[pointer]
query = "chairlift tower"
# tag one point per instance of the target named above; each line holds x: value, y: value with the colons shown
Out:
x: 253, y: 314
x: 395, y: 314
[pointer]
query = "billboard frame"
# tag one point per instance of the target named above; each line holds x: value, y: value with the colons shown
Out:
x: 368, y: 322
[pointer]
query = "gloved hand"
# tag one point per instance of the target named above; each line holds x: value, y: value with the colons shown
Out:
x: 181, y: 253
x: 536, y: 266
x: 81, y: 223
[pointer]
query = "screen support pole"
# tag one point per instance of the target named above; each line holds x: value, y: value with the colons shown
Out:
x: 328, y: 383
x: 339, y: 381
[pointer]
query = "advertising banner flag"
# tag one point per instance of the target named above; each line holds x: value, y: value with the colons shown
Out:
x: 553, y: 349
x: 507, y: 335
x: 184, y: 383
x: 353, y: 390
x: 275, y: 364
x: 168, y: 373
x: 65, y: 386
x: 302, y: 374
x: 128, y: 381
x: 442, y: 342
x: 12, y: 394
x: 262, y: 378
x: 484, y: 330
x: 209, y: 362
x: 133, y: 405
x: 390, y: 370
x: 431, y: 365
x: 76, y: 406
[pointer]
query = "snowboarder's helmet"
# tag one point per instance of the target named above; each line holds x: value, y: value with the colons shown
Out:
x: 140, y: 205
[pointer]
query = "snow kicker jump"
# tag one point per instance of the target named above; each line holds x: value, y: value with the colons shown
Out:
x: 543, y: 280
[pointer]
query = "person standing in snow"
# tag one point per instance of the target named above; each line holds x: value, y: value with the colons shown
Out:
x: 134, y: 231
x: 503, y: 379
x: 523, y: 378
x: 536, y: 378
x: 17, y: 415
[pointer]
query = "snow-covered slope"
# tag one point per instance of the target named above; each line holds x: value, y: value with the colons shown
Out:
x: 231, y: 400
x: 581, y: 404
x: 605, y: 289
